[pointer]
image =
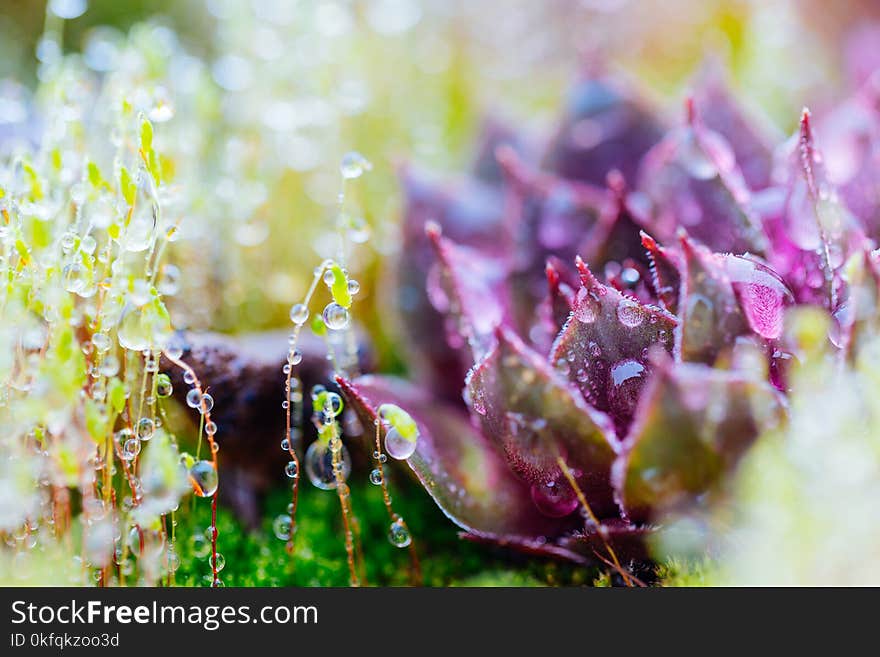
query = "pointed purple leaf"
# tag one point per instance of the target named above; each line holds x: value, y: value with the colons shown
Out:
x: 860, y: 51
x: 709, y: 310
x: 692, y: 181
x: 562, y: 286
x: 693, y: 424
x: 549, y: 217
x: 469, y: 290
x: 467, y: 478
x: 812, y: 233
x: 849, y: 139
x: 857, y: 319
x: 762, y: 294
x: 616, y: 237
x: 605, y: 126
x: 749, y: 137
x: 494, y: 134
x: 603, y: 348
x: 533, y: 547
x: 534, y: 417
x: 469, y: 213
x: 584, y: 546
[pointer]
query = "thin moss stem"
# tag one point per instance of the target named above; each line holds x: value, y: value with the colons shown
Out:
x: 599, y: 529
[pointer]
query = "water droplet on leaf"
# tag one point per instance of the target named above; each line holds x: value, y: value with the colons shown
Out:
x: 397, y: 446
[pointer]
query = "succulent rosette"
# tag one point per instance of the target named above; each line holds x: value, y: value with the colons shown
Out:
x: 599, y: 334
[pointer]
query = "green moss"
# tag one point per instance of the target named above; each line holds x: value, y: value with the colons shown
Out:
x: 685, y: 572
x: 258, y: 558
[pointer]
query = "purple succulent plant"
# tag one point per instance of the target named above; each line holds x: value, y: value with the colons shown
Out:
x: 603, y: 312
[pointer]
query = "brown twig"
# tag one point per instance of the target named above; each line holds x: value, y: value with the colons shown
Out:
x: 599, y: 529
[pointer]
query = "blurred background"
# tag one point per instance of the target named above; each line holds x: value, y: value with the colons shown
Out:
x: 259, y: 99
x: 255, y: 102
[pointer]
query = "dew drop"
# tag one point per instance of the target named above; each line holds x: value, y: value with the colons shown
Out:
x: 172, y: 560
x: 626, y: 370
x: 169, y: 281
x: 145, y: 428
x: 102, y: 342
x: 291, y: 470
x: 207, y: 404
x: 75, y: 278
x: 201, y: 545
x: 354, y: 165
x: 162, y: 111
x: 299, y: 314
x: 68, y: 241
x: 359, y: 231
x: 131, y: 332
x: 282, y: 527
x: 397, y: 446
x: 131, y: 449
x: 585, y: 312
x: 109, y: 366
x: 163, y: 386
x: 336, y: 317
x: 630, y: 276
x: 319, y: 465
x: 203, y: 478
x: 629, y: 313
x: 194, y: 398
x: 134, y: 540
x: 695, y: 161
x: 376, y: 477
x: 700, y: 312
x: 398, y: 534
x: 553, y: 499
x: 68, y: 9
x: 332, y: 404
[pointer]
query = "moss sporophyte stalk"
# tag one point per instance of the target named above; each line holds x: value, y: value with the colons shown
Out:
x: 327, y: 459
x: 84, y: 305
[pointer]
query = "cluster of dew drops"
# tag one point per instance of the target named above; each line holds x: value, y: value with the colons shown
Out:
x: 327, y: 461
x: 105, y: 296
